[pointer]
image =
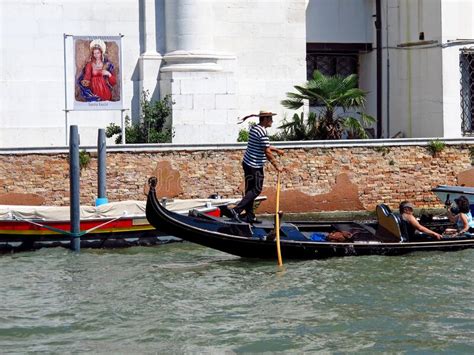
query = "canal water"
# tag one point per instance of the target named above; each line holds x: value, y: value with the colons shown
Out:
x: 183, y: 298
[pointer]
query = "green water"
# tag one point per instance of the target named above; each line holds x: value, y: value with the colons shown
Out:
x: 182, y: 298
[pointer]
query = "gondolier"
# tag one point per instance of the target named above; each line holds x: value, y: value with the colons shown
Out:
x: 258, y: 152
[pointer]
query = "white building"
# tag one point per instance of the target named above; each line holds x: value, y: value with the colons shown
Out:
x: 222, y: 59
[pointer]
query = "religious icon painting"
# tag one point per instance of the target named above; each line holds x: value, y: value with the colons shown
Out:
x: 97, y: 66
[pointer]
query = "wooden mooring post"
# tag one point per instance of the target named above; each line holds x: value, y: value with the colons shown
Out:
x: 101, y: 169
x: 74, y: 188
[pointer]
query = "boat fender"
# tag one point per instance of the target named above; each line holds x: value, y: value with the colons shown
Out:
x: 101, y: 201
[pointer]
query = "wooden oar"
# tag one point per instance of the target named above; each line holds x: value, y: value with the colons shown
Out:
x: 277, y: 221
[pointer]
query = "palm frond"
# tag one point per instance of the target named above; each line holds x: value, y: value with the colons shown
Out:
x: 292, y: 104
x: 352, y: 98
x: 295, y: 129
x: 367, y: 120
x: 294, y: 95
x: 313, y: 95
x: 318, y: 76
x: 350, y: 81
x: 354, y: 128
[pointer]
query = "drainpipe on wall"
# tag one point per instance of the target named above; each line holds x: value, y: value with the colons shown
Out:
x: 378, y: 31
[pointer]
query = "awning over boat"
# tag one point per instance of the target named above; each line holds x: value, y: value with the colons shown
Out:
x: 445, y: 192
x: 62, y: 213
x: 130, y: 208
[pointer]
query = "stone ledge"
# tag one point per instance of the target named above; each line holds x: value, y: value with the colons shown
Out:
x: 167, y: 147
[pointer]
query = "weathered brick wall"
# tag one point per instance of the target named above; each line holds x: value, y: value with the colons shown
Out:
x: 318, y: 178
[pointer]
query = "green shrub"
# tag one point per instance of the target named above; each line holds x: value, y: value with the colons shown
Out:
x: 299, y: 128
x: 383, y: 150
x: 436, y: 146
x: 244, y: 133
x: 152, y: 126
x: 84, y: 159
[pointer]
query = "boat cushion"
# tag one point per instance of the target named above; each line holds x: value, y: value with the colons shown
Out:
x: 291, y: 232
x: 318, y: 237
x: 259, y: 233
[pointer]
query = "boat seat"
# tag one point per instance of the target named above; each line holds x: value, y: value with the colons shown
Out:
x: 350, y: 227
x: 389, y: 228
x: 369, y: 229
x: 196, y: 213
x: 259, y: 233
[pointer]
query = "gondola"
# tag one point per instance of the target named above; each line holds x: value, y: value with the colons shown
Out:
x: 299, y: 240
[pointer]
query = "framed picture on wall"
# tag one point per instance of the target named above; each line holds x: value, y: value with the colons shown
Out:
x: 97, y: 65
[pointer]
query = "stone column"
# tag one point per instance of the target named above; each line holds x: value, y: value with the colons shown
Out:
x: 150, y: 59
x: 199, y: 79
x: 190, y: 36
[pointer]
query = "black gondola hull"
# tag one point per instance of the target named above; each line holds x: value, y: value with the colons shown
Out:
x: 239, y: 238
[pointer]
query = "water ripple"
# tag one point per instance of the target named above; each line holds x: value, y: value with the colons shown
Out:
x: 182, y: 298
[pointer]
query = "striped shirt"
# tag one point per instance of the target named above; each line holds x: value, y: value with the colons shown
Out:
x: 258, y: 142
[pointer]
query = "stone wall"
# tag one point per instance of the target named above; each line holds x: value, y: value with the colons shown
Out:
x: 319, y: 178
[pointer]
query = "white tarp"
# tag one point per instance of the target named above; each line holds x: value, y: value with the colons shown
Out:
x: 108, y: 210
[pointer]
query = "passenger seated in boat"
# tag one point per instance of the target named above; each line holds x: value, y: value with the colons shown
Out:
x: 411, y: 223
x: 461, y: 216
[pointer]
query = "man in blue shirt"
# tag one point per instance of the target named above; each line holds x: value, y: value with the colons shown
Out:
x: 258, y: 152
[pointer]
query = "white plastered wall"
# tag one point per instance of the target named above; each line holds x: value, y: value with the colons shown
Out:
x: 339, y: 21
x: 457, y: 18
x: 32, y: 71
x: 268, y: 40
x: 416, y: 80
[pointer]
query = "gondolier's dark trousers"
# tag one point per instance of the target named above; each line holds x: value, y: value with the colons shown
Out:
x: 253, y: 187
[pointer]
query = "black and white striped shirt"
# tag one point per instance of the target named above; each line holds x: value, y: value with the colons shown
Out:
x: 258, y: 142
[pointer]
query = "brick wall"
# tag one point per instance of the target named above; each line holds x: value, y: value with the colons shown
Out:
x: 319, y: 178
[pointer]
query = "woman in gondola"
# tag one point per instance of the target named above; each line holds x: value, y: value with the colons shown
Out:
x: 461, y: 216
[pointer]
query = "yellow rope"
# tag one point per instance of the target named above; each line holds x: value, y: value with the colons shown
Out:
x: 277, y: 221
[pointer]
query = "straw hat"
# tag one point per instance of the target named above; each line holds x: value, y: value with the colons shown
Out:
x: 262, y: 113
x: 266, y: 114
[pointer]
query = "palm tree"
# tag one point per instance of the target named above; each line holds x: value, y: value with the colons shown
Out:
x: 299, y: 129
x: 330, y: 93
